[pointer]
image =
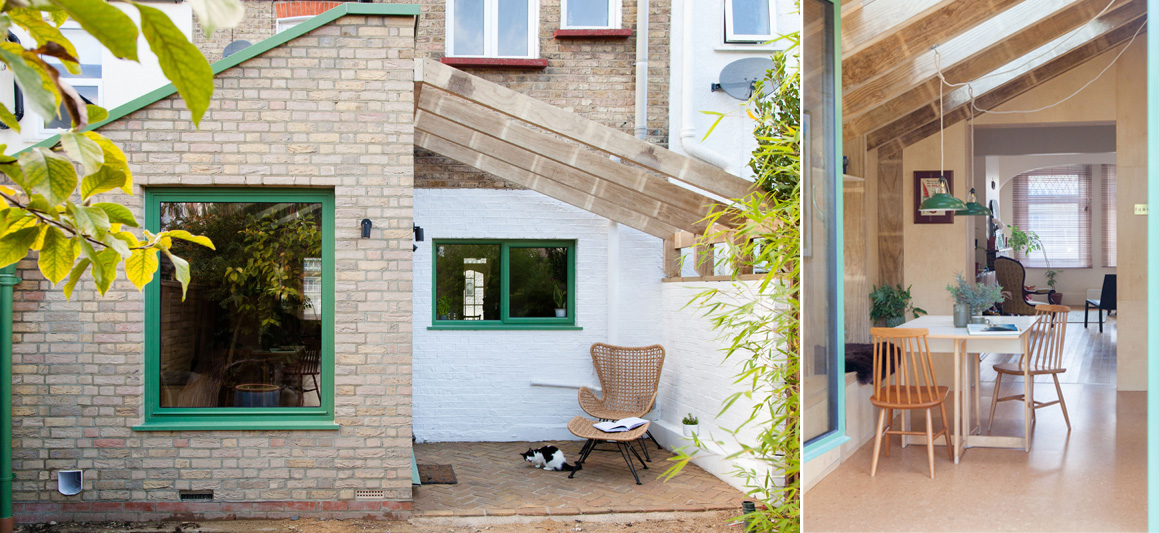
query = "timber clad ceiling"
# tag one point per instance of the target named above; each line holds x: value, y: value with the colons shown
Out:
x: 563, y: 155
x: 1004, y: 47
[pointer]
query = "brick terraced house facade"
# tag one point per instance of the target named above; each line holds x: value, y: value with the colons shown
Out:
x: 547, y: 226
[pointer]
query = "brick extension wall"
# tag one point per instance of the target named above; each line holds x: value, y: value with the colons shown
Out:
x: 332, y: 110
x: 593, y: 77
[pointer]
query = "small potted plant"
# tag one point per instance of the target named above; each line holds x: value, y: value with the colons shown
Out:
x: 560, y: 297
x: 691, y: 425
x: 971, y: 299
x: 891, y: 304
x: 1055, y: 297
x: 443, y: 307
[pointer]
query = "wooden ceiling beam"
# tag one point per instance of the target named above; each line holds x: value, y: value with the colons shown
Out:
x: 531, y: 161
x: 537, y: 183
x: 577, y: 128
x: 1024, y: 28
x: 469, y: 115
x: 915, y: 37
x: 993, y: 92
x: 866, y: 23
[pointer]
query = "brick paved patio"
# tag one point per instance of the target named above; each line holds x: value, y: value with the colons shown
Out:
x: 495, y: 481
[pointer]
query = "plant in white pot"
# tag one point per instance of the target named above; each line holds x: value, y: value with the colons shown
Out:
x: 691, y: 425
x: 560, y: 297
x: 971, y: 299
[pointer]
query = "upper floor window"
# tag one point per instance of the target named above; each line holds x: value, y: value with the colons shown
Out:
x: 748, y: 21
x: 590, y: 14
x: 88, y: 83
x: 283, y: 24
x: 492, y: 28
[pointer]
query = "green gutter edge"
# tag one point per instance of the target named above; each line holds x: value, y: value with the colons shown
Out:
x: 349, y: 8
x: 8, y: 279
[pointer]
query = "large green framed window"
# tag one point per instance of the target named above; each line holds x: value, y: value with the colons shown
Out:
x: 503, y: 284
x: 251, y: 344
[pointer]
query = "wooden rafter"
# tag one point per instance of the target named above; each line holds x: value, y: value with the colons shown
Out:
x: 863, y: 24
x: 1024, y: 28
x: 554, y: 171
x: 588, y: 202
x: 916, y: 36
x: 461, y: 111
x: 1017, y: 78
x: 574, y: 127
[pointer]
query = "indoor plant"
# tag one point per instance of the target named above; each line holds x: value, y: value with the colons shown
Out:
x: 971, y: 299
x: 1051, y: 275
x: 891, y: 303
x: 560, y: 297
x: 1024, y: 242
x: 691, y: 425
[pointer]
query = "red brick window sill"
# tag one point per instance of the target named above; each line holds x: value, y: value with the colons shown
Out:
x: 494, y: 62
x: 594, y: 34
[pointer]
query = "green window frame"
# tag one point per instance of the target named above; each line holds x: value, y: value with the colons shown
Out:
x: 158, y: 418
x: 506, y: 321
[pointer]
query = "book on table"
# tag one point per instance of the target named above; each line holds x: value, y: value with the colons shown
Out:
x: 621, y: 425
x: 992, y: 329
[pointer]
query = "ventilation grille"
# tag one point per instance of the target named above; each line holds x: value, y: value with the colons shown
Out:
x: 196, y: 495
x: 369, y: 494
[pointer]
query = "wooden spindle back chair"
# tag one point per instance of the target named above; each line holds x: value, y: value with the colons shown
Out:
x: 1044, y: 355
x: 904, y: 379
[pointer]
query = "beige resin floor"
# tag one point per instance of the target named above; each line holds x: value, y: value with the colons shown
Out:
x: 1095, y: 480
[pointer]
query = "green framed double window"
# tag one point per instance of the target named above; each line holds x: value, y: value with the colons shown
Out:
x: 251, y: 344
x: 503, y: 284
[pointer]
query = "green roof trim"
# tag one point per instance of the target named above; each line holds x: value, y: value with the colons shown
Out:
x: 349, y: 8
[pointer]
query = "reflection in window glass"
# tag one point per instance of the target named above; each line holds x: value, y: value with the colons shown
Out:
x: 587, y: 13
x: 249, y: 331
x: 748, y: 21
x: 821, y: 340
x: 538, y: 282
x: 467, y: 282
x: 513, y: 20
x: 469, y: 27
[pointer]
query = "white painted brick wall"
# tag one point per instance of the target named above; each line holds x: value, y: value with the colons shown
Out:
x: 477, y: 385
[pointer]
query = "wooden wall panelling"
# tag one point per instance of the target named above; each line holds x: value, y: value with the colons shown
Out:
x: 890, y: 217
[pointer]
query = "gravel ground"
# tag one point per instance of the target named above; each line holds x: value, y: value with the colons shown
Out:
x: 675, y: 523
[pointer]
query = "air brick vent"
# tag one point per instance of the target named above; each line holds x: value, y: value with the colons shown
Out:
x: 196, y: 495
x: 369, y: 494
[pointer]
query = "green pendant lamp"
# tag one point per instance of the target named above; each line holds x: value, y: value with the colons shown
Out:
x: 973, y: 208
x: 941, y: 199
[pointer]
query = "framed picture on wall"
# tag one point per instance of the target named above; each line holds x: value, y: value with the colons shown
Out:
x: 926, y: 185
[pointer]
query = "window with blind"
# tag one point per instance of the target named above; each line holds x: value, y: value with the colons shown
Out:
x: 1055, y: 203
x: 1110, y: 214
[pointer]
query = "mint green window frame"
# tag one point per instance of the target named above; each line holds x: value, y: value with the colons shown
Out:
x: 158, y: 418
x: 1152, y: 276
x: 506, y: 321
x: 836, y: 436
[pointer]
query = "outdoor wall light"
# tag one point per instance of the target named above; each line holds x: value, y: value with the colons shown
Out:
x: 418, y: 230
x: 366, y: 228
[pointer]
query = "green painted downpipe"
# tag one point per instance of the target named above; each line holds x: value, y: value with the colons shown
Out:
x: 8, y: 279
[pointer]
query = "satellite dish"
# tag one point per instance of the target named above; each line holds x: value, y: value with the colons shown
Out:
x: 738, y: 78
x: 234, y: 47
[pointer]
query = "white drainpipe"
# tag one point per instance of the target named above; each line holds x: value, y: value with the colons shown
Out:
x: 689, y: 140
x: 642, y: 68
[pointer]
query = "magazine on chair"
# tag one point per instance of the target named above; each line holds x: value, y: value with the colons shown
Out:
x: 621, y: 425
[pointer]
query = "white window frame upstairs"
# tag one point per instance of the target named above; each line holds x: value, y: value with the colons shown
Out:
x: 283, y: 24
x: 731, y: 37
x: 491, y: 31
x: 615, y: 17
x: 41, y: 130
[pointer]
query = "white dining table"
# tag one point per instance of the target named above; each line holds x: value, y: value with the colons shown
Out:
x: 944, y: 338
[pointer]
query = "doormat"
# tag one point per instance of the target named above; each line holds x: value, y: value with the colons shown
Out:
x: 437, y: 475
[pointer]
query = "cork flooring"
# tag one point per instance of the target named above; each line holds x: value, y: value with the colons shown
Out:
x: 1092, y: 479
x: 495, y: 481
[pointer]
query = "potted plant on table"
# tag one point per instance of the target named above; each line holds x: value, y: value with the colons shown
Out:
x: 971, y: 299
x: 691, y: 425
x: 891, y: 304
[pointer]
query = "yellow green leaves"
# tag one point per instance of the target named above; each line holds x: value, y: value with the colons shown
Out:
x: 47, y: 173
x: 181, y: 62
x: 112, y: 27
x: 57, y: 255
x: 140, y: 266
x: 83, y: 149
x: 186, y: 236
x: 103, y: 180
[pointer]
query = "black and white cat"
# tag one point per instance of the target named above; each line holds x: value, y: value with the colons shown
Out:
x: 547, y: 458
